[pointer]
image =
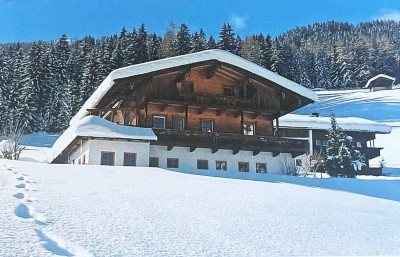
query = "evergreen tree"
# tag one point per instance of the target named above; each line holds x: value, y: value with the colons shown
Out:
x: 211, y: 44
x: 183, y: 40
x: 227, y: 39
x: 341, y: 157
x: 154, y: 47
x: 198, y: 41
x: 141, y: 53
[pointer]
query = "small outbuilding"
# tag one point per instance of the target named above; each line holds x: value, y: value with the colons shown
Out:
x: 380, y: 82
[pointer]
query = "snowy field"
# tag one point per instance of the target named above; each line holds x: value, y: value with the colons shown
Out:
x: 65, y: 210
x: 382, y: 106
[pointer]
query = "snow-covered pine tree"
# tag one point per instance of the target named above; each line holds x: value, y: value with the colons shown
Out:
x: 154, y: 47
x: 266, y: 53
x: 168, y: 42
x: 141, y: 53
x: 211, y: 44
x: 227, y: 40
x: 341, y: 157
x: 183, y: 40
x: 198, y: 41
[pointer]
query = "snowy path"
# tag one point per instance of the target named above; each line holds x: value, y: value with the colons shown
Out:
x: 116, y: 211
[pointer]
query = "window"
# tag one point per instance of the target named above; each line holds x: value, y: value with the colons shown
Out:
x: 318, y: 142
x: 261, y: 167
x: 248, y: 129
x: 172, y: 163
x: 188, y: 88
x: 159, y: 122
x: 207, y: 125
x: 177, y: 123
x: 221, y: 165
x: 298, y: 163
x: 84, y: 159
x: 243, y: 166
x: 324, y: 142
x: 107, y: 158
x: 202, y: 164
x: 359, y: 144
x: 228, y: 91
x: 129, y: 159
x: 154, y: 162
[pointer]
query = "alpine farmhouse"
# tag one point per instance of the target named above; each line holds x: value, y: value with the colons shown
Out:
x: 210, y: 110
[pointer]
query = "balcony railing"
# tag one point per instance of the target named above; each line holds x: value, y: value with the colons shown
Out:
x: 209, y: 100
x: 234, y: 142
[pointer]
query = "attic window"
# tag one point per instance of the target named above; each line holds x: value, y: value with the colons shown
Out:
x: 228, y: 91
x: 249, y: 129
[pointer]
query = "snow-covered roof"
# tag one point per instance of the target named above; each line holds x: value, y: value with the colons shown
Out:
x: 378, y: 76
x: 218, y: 55
x: 93, y: 126
x: 324, y: 123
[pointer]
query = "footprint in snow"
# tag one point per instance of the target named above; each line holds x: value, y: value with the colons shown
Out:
x: 22, y: 185
x: 20, y: 178
x: 52, y: 245
x: 22, y: 211
x: 19, y: 195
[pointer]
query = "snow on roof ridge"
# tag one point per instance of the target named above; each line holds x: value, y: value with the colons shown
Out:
x: 320, y: 122
x: 378, y: 76
x: 176, y: 61
x: 93, y: 126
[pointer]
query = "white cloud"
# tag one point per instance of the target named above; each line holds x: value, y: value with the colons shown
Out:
x: 238, y: 22
x: 388, y: 14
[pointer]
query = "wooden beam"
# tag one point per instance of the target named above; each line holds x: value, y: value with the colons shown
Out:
x: 210, y: 72
x: 275, y: 153
x: 235, y: 151
x: 192, y: 148
x: 256, y: 152
x: 214, y: 150
x: 169, y: 147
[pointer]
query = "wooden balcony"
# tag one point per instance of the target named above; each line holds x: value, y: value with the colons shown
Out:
x: 211, y: 101
x: 371, y: 152
x: 234, y: 142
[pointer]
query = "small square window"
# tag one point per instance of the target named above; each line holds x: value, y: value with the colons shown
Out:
x: 243, y: 166
x: 324, y: 142
x: 318, y: 142
x: 158, y: 122
x: 359, y: 144
x: 261, y: 167
x: 298, y: 162
x: 177, y: 123
x: 172, y: 163
x: 154, y: 162
x: 207, y: 126
x: 129, y: 159
x: 248, y: 129
x: 202, y: 164
x: 221, y: 165
x: 107, y: 158
x: 228, y: 91
x: 188, y: 88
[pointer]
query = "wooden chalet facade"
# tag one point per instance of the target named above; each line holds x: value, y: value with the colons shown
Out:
x: 208, y: 104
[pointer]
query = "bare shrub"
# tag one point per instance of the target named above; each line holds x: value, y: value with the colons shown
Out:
x: 10, y: 147
x: 287, y: 166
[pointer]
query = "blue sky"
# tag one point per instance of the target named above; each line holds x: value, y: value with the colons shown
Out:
x: 29, y: 20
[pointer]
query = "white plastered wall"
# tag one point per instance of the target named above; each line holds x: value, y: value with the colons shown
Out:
x: 188, y: 160
x: 96, y: 146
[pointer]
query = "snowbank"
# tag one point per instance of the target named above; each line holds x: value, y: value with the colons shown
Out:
x: 93, y: 126
x: 324, y: 123
x: 219, y: 55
